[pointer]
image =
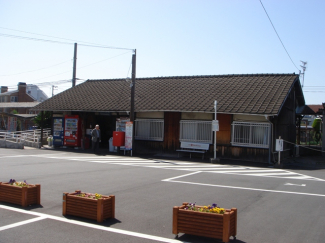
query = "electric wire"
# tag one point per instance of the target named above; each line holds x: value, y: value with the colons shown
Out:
x: 34, y: 70
x: 103, y: 60
x: 311, y: 91
x: 77, y: 68
x: 127, y: 75
x: 93, y: 44
x: 61, y: 42
x: 49, y: 76
x: 315, y: 86
x: 278, y: 35
x: 35, y: 39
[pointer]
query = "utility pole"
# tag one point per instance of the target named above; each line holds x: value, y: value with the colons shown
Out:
x: 53, y: 87
x: 303, y: 74
x: 132, y: 96
x: 215, y: 132
x: 133, y: 85
x: 74, y: 65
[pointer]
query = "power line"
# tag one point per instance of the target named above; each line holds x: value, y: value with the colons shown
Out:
x: 34, y: 39
x: 278, y: 35
x: 34, y: 70
x: 49, y: 76
x: 93, y: 44
x: 103, y: 60
x: 315, y: 91
x: 107, y: 47
x: 61, y: 42
x: 77, y: 68
x: 315, y: 86
x: 44, y: 83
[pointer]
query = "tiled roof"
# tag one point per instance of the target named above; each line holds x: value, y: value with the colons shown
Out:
x: 304, y: 110
x: 18, y: 104
x: 245, y: 94
x: 9, y: 92
x: 315, y: 108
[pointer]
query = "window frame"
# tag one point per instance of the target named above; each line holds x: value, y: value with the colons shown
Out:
x: 151, y: 124
x: 251, y: 137
x: 13, y: 98
x: 196, y: 135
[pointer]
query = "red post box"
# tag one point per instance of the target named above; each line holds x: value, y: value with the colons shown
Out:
x: 118, y: 139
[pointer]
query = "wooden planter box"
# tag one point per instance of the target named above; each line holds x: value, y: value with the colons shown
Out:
x: 23, y: 196
x: 97, y: 209
x: 220, y: 226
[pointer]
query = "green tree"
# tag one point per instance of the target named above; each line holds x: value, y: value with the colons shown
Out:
x: 47, y: 119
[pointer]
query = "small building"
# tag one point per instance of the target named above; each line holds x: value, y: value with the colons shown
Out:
x: 34, y: 91
x: 15, y: 108
x: 253, y: 110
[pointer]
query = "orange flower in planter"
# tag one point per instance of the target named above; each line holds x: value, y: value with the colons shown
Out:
x: 207, y: 209
x: 207, y: 221
x: 88, y: 205
x: 20, y: 193
x: 13, y: 182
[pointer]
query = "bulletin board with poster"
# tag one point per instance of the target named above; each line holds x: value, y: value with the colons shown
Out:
x: 120, y: 123
x: 128, y: 135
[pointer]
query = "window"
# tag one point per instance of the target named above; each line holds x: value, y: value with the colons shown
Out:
x: 250, y: 134
x: 149, y: 129
x: 195, y: 131
x: 13, y: 99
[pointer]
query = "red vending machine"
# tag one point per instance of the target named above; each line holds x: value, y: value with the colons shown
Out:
x: 72, y: 131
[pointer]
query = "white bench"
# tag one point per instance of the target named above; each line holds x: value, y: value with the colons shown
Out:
x: 190, y: 147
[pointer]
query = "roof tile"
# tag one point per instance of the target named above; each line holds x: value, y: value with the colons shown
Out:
x: 251, y: 94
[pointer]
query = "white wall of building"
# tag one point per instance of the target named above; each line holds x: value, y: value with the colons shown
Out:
x: 36, y: 93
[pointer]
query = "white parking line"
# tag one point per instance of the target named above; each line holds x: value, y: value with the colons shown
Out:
x: 22, y: 223
x: 187, y: 166
x: 99, y: 227
x: 237, y: 187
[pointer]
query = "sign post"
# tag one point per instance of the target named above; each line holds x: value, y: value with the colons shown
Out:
x: 215, y: 129
x: 279, y: 147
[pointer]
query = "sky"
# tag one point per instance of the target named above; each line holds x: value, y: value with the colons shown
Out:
x: 171, y: 38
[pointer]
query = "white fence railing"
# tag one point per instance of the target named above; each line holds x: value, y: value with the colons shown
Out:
x: 24, y: 136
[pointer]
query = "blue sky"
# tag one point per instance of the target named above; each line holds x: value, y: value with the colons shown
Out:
x: 172, y: 38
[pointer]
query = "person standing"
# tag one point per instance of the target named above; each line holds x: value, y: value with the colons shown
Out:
x: 95, y: 138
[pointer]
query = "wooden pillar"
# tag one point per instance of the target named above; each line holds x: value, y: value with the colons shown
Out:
x: 38, y: 188
x: 175, y: 216
x: 64, y: 204
x: 113, y: 205
x: 24, y: 197
x: 100, y: 210
x: 226, y: 227
x: 235, y: 223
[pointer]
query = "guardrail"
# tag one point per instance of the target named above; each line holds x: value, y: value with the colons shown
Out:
x: 33, y: 136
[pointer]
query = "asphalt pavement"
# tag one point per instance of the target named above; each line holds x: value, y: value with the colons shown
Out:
x: 274, y: 204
